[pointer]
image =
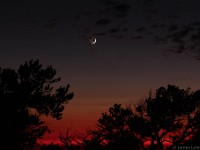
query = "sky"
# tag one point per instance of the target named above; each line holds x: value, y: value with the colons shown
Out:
x: 141, y: 45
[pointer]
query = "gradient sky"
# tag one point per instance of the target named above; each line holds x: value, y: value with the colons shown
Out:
x: 141, y: 45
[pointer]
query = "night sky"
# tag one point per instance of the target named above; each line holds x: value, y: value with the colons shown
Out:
x: 141, y: 45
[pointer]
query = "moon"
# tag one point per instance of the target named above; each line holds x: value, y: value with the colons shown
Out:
x: 92, y: 40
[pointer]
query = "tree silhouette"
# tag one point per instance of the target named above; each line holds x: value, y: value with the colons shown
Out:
x: 91, y: 140
x: 71, y: 142
x: 115, y: 130
x: 172, y: 115
x: 25, y: 95
x: 112, y: 131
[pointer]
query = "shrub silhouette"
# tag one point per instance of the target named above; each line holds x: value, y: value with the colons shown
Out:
x: 25, y: 95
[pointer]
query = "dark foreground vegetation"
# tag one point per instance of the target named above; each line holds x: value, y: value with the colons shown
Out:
x: 170, y: 114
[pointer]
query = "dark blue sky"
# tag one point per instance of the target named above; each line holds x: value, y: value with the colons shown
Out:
x: 141, y: 45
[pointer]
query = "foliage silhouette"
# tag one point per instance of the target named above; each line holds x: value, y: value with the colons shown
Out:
x: 114, y: 128
x: 171, y: 115
x: 51, y: 146
x: 112, y: 132
x: 25, y: 95
x: 92, y: 140
x: 69, y: 141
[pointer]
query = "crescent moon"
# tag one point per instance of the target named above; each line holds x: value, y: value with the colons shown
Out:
x: 92, y: 40
x: 95, y: 40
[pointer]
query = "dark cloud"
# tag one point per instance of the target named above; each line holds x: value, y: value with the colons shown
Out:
x: 158, y: 25
x: 55, y: 19
x: 172, y: 27
x: 157, y: 20
x: 125, y: 29
x: 122, y: 8
x: 114, y: 30
x: 152, y: 11
x: 120, y: 15
x: 136, y: 37
x: 141, y: 29
x: 170, y: 17
x: 109, y: 21
x: 110, y: 2
x: 182, y: 39
x: 50, y: 25
x: 100, y: 33
x: 34, y: 21
x: 116, y: 36
x: 108, y: 10
x: 102, y: 22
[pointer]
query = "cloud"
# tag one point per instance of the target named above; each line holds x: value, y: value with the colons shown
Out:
x: 116, y: 36
x: 107, y: 19
x: 141, y: 29
x: 140, y: 19
x: 114, y: 30
x: 51, y: 23
x: 102, y: 22
x: 110, y: 2
x: 181, y: 39
x: 122, y: 8
x: 136, y: 37
x: 100, y: 34
x: 50, y: 26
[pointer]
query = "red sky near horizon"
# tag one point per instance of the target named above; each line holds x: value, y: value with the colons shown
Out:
x: 122, y: 67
